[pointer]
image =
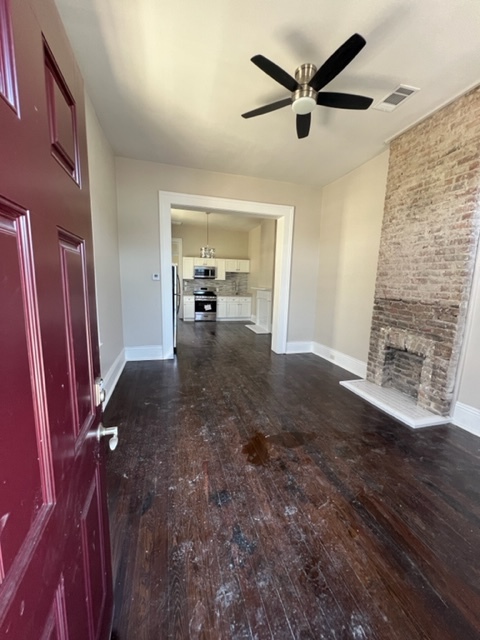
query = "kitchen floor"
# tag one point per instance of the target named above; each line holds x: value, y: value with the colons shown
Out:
x: 251, y: 496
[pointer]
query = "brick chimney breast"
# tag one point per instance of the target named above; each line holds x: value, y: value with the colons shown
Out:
x: 427, y: 255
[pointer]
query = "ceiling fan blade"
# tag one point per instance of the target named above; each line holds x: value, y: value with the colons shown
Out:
x: 343, y: 100
x: 303, y: 125
x: 337, y: 61
x: 267, y: 108
x: 275, y: 72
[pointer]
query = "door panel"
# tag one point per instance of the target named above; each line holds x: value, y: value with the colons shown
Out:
x: 61, y: 116
x: 55, y: 575
x: 25, y: 495
x: 94, y: 557
x: 78, y: 342
x: 8, y: 80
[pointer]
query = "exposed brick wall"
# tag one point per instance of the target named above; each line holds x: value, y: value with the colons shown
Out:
x: 428, y: 247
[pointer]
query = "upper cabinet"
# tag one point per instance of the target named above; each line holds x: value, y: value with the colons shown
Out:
x: 188, y: 268
x: 220, y: 264
x: 237, y: 266
x: 224, y: 265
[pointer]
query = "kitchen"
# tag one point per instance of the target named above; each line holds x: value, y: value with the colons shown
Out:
x: 225, y: 263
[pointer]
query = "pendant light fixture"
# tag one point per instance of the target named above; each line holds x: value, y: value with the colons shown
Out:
x: 207, y: 251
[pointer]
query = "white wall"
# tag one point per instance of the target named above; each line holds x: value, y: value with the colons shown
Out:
x: 261, y: 251
x: 267, y: 254
x: 106, y: 252
x: 350, y: 226
x: 228, y: 244
x: 138, y: 184
x: 469, y: 381
x: 254, y: 243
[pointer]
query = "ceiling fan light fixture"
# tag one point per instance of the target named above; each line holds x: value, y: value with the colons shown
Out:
x: 302, y: 106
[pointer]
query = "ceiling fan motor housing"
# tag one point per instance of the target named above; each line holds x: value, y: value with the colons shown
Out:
x: 304, y: 99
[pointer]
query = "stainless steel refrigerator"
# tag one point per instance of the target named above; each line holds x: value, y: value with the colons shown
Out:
x: 177, y: 297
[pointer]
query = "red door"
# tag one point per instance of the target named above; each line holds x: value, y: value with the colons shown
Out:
x: 55, y: 576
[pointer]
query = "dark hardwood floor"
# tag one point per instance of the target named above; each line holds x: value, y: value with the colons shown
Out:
x: 251, y: 496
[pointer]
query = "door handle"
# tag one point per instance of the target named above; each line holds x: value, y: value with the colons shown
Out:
x: 108, y: 431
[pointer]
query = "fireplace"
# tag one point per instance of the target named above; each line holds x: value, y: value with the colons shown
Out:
x: 402, y: 370
x: 407, y: 361
x: 426, y: 260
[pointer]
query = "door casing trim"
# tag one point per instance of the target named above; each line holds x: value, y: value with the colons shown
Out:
x: 283, y: 214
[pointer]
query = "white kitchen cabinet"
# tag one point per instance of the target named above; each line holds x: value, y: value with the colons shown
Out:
x: 187, y: 269
x: 222, y: 307
x: 188, y: 308
x: 245, y: 266
x: 240, y: 308
x: 237, y: 266
x: 220, y: 264
x: 246, y: 308
x: 224, y: 265
x: 234, y: 307
x: 204, y: 262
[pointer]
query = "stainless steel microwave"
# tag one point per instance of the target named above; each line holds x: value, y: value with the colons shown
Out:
x: 205, y: 273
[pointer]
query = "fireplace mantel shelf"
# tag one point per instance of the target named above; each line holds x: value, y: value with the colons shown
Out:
x: 396, y: 404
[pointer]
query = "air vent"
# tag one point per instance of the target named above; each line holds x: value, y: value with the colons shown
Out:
x: 397, y: 97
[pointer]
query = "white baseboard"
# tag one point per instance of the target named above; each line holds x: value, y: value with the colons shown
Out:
x: 299, y: 347
x: 466, y: 417
x: 357, y: 367
x: 145, y: 352
x: 110, y: 379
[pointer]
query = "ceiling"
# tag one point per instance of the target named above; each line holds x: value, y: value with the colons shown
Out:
x: 170, y: 80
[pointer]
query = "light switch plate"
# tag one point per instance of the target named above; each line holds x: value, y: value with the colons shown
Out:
x: 155, y: 276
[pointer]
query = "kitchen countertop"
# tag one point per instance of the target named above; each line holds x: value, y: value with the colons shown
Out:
x: 224, y: 295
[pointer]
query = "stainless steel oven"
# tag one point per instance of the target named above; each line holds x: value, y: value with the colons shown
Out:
x: 205, y: 305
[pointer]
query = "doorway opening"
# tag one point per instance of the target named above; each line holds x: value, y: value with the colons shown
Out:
x: 283, y: 214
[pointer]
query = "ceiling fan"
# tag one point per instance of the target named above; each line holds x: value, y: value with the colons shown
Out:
x: 308, y: 82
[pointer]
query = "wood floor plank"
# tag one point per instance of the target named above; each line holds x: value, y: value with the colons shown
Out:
x: 253, y: 543
x: 251, y: 496
x: 264, y: 496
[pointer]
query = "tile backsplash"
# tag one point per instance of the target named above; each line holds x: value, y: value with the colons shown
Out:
x: 235, y: 283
